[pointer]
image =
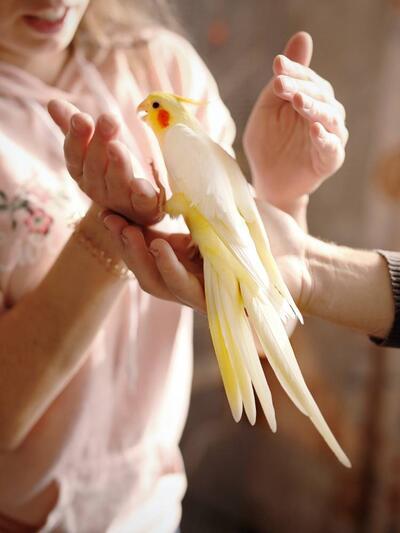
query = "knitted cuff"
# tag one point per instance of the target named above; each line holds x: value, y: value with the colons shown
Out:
x: 393, y: 262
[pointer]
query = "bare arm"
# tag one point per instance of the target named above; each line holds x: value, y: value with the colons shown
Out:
x: 44, y: 338
x: 349, y: 287
x: 342, y: 285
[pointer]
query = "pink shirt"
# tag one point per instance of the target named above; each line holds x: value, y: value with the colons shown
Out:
x: 109, y: 442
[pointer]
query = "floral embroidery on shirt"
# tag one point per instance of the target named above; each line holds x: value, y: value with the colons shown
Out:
x: 36, y: 219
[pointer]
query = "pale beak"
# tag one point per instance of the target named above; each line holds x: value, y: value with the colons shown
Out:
x: 143, y: 109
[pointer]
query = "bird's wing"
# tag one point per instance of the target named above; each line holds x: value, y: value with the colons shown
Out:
x: 196, y: 170
x: 248, y: 209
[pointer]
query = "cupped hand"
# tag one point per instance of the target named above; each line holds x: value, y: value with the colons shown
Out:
x: 101, y: 165
x: 167, y: 266
x: 296, y: 134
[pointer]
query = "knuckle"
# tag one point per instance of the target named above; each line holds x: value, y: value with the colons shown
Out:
x: 335, y: 122
x: 312, y: 107
x: 73, y: 160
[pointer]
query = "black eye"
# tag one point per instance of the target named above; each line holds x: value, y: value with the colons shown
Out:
x: 155, y: 105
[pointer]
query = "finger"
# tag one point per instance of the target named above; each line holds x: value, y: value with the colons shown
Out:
x: 118, y: 178
x: 96, y: 159
x: 76, y: 142
x: 134, y: 198
x: 286, y: 87
x: 184, y: 285
x: 183, y: 246
x: 284, y: 65
x: 114, y: 223
x: 328, y: 146
x: 326, y: 114
x: 138, y: 259
x: 61, y: 112
x: 300, y: 48
x: 145, y: 201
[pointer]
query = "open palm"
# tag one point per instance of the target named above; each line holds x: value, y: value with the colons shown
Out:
x: 296, y: 134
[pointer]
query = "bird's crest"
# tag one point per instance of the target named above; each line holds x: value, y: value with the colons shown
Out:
x: 186, y: 100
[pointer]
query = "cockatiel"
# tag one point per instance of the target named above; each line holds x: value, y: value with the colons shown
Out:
x: 243, y: 286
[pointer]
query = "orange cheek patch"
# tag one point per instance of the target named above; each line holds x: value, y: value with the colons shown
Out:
x: 163, y: 118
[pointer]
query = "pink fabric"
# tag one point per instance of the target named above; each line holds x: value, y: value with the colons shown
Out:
x: 110, y: 440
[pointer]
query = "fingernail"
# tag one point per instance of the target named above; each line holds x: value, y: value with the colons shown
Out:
x: 107, y: 125
x: 154, y: 250
x: 105, y: 219
x: 284, y: 61
x: 124, y: 238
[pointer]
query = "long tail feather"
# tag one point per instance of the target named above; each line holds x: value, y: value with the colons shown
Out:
x: 259, y: 234
x: 230, y: 339
x: 227, y: 372
x: 236, y: 316
x: 277, y: 347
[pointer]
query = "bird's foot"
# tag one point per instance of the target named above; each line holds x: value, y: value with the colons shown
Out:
x: 161, y: 203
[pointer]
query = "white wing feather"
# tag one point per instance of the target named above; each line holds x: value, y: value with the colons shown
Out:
x: 212, y: 179
x: 213, y: 182
x: 200, y: 174
x: 248, y: 209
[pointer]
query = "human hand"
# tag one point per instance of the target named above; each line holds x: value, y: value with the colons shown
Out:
x: 167, y: 266
x: 101, y: 165
x: 296, y: 134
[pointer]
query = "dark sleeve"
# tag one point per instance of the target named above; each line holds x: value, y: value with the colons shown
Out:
x: 393, y: 262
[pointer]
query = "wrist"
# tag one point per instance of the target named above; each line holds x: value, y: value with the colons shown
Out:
x: 92, y: 237
x: 296, y: 207
x: 93, y: 228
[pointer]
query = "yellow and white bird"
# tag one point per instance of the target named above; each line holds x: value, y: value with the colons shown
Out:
x: 243, y: 285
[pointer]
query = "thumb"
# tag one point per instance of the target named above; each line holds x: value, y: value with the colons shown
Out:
x: 299, y: 48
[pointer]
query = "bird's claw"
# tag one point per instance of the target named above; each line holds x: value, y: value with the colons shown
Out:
x: 162, y: 193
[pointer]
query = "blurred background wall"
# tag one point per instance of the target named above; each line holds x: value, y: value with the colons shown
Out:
x: 244, y: 479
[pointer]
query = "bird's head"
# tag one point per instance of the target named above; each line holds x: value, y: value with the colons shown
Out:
x: 163, y: 110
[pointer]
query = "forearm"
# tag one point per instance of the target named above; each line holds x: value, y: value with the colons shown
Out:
x: 349, y: 287
x: 296, y: 207
x: 45, y: 336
